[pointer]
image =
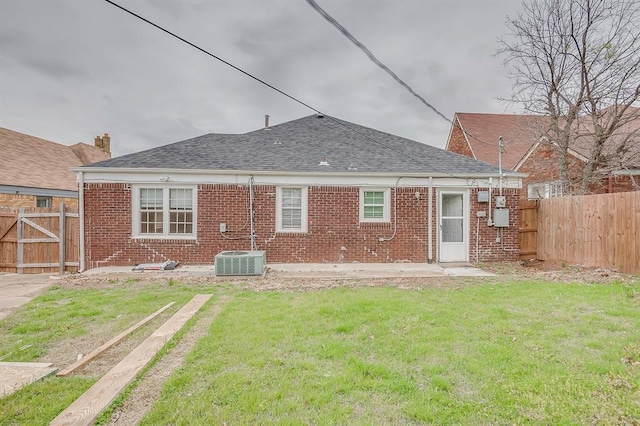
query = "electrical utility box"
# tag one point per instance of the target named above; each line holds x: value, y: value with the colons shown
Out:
x: 501, y: 218
x: 483, y: 196
x: 501, y: 201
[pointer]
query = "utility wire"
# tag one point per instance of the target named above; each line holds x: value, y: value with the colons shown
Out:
x: 206, y: 52
x: 380, y: 64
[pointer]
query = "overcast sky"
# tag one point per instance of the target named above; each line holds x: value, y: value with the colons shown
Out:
x: 72, y: 69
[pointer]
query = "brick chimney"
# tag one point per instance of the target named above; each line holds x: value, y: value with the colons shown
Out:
x: 104, y: 143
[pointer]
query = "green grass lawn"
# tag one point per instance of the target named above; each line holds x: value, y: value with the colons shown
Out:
x: 514, y: 353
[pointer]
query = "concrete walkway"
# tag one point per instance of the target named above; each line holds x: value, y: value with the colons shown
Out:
x: 18, y: 289
x: 374, y: 270
x: 326, y: 270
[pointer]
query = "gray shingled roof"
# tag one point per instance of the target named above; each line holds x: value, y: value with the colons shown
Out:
x: 299, y: 146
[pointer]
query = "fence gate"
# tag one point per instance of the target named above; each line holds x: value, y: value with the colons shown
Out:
x: 528, y: 232
x: 37, y: 240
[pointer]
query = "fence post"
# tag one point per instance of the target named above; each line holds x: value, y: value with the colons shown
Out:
x: 20, y: 254
x: 62, y: 237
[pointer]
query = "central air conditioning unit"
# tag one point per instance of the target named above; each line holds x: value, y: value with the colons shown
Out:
x: 240, y: 262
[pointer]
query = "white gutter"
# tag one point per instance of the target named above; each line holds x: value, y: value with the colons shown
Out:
x: 81, y: 215
x: 290, y: 173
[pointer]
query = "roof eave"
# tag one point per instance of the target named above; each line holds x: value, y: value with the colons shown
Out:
x: 291, y: 173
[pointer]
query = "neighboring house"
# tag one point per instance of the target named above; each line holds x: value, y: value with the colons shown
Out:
x: 35, y: 172
x: 315, y: 189
x: 476, y: 135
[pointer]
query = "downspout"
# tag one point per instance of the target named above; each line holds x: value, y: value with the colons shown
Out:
x: 429, y: 222
x: 253, y: 236
x: 500, y: 146
x: 489, y: 221
x: 81, y: 214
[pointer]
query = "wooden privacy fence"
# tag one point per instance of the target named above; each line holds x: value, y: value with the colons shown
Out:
x: 37, y: 240
x: 594, y: 230
x: 528, y: 231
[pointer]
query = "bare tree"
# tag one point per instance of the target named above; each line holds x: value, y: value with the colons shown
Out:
x: 577, y: 62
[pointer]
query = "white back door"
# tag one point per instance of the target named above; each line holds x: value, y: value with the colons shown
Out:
x: 453, y: 241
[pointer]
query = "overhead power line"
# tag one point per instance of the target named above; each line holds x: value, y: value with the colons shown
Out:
x: 206, y: 52
x: 345, y: 32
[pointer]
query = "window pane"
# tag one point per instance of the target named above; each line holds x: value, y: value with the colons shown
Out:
x: 452, y: 230
x: 452, y: 205
x: 291, y: 219
x: 373, y: 197
x: 373, y: 212
x: 180, y: 199
x: 180, y: 222
x: 291, y: 197
x: 43, y: 201
x: 150, y: 222
x: 151, y: 198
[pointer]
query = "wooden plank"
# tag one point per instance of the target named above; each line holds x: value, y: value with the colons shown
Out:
x: 25, y: 364
x: 62, y: 240
x: 38, y: 240
x: 20, y: 253
x: 6, y: 229
x: 37, y: 265
x: 525, y: 230
x: 111, y: 342
x: 85, y: 409
x: 40, y: 228
x: 16, y: 375
x: 53, y: 214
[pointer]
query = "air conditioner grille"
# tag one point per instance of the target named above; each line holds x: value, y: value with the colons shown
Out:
x: 240, y: 262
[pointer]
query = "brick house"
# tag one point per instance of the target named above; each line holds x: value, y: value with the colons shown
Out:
x: 315, y: 189
x: 35, y: 172
x: 525, y: 151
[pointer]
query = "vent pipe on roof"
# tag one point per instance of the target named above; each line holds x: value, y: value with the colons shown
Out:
x: 266, y: 122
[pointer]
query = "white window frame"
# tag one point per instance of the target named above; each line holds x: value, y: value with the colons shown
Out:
x: 304, y: 193
x: 538, y: 190
x: 135, y: 212
x: 386, y: 208
x: 47, y: 201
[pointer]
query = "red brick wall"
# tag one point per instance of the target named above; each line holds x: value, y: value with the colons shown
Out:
x: 333, y: 223
x: 458, y: 143
x: 622, y: 183
x: 483, y: 244
x: 542, y: 166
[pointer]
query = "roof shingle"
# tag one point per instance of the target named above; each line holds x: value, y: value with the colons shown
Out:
x: 32, y: 162
x: 300, y: 146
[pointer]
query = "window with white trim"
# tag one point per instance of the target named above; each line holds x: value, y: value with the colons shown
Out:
x: 374, y: 205
x: 43, y: 201
x: 161, y: 212
x: 545, y: 190
x: 291, y: 209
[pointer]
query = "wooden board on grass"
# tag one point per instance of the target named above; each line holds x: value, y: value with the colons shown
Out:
x: 85, y: 409
x: 111, y: 342
x: 16, y: 375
